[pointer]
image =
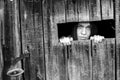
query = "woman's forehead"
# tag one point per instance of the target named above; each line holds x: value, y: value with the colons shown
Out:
x: 83, y: 24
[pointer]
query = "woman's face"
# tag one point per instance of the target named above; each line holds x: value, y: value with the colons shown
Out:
x: 83, y: 31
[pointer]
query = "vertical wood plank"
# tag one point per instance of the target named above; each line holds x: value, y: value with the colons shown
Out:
x: 1, y: 37
x: 107, y: 9
x: 6, y: 47
x: 16, y: 33
x: 58, y: 11
x: 110, y: 60
x: 2, y: 19
x: 103, y: 60
x: 28, y: 38
x: 71, y: 10
x: 46, y: 11
x: 80, y: 61
x: 58, y: 16
x: 98, y: 55
x: 23, y: 20
x: 94, y: 10
x: 39, y: 41
x: 117, y: 32
x: 1, y: 63
x: 59, y: 62
x: 12, y: 35
x: 83, y: 10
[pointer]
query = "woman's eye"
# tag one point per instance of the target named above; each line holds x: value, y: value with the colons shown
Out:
x: 88, y: 26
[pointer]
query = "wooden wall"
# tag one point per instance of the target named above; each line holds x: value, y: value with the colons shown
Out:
x: 32, y: 25
x: 78, y: 10
x: 83, y: 60
x: 1, y: 37
x: 117, y: 20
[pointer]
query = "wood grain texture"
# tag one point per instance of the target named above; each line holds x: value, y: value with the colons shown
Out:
x: 117, y: 31
x: 103, y: 60
x: 107, y: 9
x: 83, y: 10
x: 94, y: 10
x: 23, y: 17
x: 39, y: 55
x: 71, y: 10
x: 1, y: 62
x: 12, y: 36
x: 59, y: 63
x: 1, y: 37
x: 56, y: 64
x: 58, y: 11
x: 28, y: 38
x: 16, y: 34
x: 57, y: 16
x: 79, y: 66
x: 46, y: 11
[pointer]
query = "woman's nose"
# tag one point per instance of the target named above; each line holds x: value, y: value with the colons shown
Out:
x: 83, y: 32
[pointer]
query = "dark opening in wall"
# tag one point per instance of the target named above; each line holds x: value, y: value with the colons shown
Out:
x: 105, y: 28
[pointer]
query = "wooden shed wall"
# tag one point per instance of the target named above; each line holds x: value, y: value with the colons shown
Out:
x: 75, y: 11
x: 82, y: 60
x: 32, y: 25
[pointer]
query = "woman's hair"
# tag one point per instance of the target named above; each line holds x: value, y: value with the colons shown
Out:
x: 93, y: 29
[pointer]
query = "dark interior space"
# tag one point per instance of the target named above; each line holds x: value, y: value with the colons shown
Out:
x: 106, y: 28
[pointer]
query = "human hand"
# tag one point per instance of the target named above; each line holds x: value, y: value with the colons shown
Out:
x: 66, y: 40
x: 97, y: 38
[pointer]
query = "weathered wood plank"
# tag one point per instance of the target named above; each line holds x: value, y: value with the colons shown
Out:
x: 94, y: 10
x: 46, y: 11
x: 71, y: 10
x: 12, y: 36
x: 2, y: 12
x: 98, y: 55
x: 1, y: 37
x: 1, y: 62
x: 6, y: 47
x: 79, y: 66
x: 58, y: 11
x: 28, y: 38
x: 83, y: 10
x: 57, y: 63
x: 39, y: 37
x: 117, y: 34
x: 23, y: 17
x: 16, y: 34
x: 58, y: 16
x: 110, y: 60
x: 103, y: 60
x: 107, y: 9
